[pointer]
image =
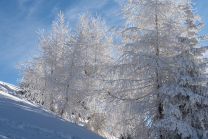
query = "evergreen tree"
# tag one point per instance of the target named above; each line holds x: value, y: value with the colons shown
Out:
x: 185, y: 97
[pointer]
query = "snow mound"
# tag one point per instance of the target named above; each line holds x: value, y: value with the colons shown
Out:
x: 23, y: 119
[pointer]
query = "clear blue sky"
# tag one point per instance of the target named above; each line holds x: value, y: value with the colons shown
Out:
x: 20, y: 19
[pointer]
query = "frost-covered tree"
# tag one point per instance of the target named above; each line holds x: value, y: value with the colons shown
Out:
x: 54, y: 77
x: 96, y: 43
x: 150, y: 40
x: 44, y: 68
x: 185, y: 97
x: 66, y: 75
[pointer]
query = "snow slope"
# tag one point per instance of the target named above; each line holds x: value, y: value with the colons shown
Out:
x: 23, y: 119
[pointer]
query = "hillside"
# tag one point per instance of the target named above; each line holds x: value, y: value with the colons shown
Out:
x: 23, y: 119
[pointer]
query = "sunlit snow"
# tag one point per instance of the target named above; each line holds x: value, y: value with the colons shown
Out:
x: 23, y: 119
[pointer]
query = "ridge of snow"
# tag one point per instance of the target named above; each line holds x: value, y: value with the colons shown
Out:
x: 9, y: 86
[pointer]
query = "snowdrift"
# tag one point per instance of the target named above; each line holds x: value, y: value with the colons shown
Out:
x: 23, y: 119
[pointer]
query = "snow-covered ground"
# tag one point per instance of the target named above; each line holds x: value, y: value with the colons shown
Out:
x: 23, y: 119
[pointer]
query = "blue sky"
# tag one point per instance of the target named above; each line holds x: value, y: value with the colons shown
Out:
x: 20, y: 19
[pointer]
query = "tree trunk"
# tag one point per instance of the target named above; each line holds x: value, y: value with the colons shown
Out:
x: 158, y: 79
